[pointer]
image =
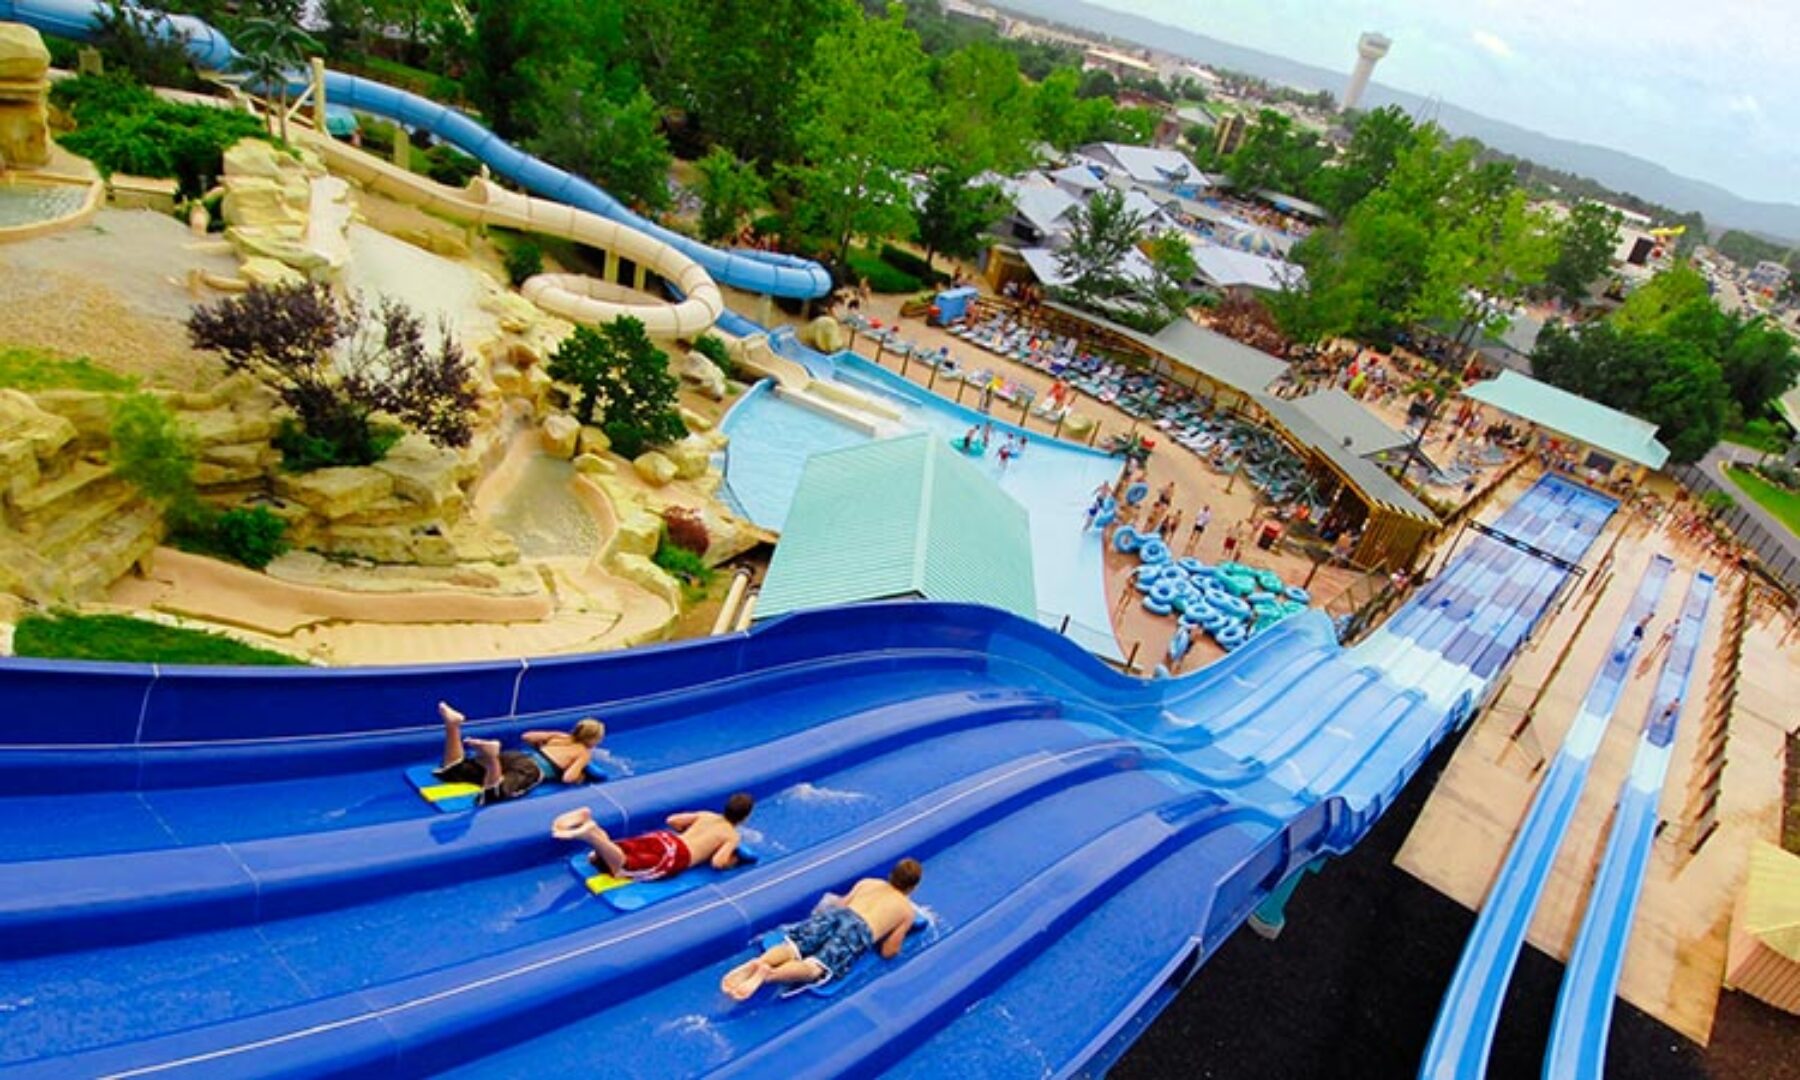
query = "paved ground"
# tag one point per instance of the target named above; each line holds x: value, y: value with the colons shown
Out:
x: 1728, y: 453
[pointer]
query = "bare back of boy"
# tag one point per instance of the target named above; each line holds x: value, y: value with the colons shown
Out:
x: 708, y: 836
x: 886, y: 909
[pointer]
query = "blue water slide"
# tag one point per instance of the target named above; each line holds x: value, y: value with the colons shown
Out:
x: 1464, y: 1032
x: 1585, y: 1005
x: 237, y: 852
x: 771, y: 273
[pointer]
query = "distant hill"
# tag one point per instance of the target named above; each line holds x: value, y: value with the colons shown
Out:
x: 1614, y: 168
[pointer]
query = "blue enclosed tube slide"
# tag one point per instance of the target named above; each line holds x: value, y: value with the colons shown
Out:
x: 1584, y: 1008
x: 764, y: 272
x: 1464, y: 1032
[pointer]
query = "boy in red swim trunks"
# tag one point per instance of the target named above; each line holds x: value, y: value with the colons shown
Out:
x: 693, y: 837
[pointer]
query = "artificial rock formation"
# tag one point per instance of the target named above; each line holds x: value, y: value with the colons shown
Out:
x: 24, y: 88
x: 270, y: 211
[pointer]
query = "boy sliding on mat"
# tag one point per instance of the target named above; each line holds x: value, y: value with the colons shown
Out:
x: 509, y: 774
x: 693, y: 837
x: 830, y: 941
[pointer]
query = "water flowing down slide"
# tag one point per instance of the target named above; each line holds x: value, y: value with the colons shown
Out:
x: 768, y: 273
x: 238, y: 880
x: 1585, y: 1006
x: 1464, y: 1032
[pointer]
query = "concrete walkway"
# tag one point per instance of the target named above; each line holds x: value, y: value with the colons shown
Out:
x: 1729, y: 454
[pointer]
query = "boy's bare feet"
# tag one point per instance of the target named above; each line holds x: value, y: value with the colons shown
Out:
x: 487, y: 749
x: 571, y: 825
x: 450, y: 716
x: 745, y: 979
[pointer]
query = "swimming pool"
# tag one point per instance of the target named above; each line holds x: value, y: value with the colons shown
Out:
x: 771, y: 439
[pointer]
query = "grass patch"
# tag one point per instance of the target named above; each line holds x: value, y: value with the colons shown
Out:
x: 1759, y: 435
x: 1785, y: 505
x: 122, y: 638
x: 40, y: 369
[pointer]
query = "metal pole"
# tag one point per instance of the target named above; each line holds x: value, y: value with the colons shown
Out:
x: 880, y: 344
x: 905, y: 363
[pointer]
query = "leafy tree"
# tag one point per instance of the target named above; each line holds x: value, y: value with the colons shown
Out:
x: 620, y: 374
x: 1276, y: 154
x: 270, y: 51
x: 1172, y: 267
x: 338, y: 364
x: 1759, y: 363
x: 502, y: 50
x: 747, y: 68
x: 610, y: 134
x: 144, y: 44
x: 987, y: 111
x: 1101, y: 234
x: 524, y: 261
x: 730, y: 190
x: 1653, y: 376
x: 1676, y: 297
x: 1585, y: 245
x: 956, y: 213
x: 1374, y: 149
x: 868, y: 117
x: 1097, y: 83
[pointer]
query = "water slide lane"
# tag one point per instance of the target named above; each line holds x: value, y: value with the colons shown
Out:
x: 1464, y: 1032
x: 1584, y: 1007
x: 754, y: 271
x: 443, y: 1000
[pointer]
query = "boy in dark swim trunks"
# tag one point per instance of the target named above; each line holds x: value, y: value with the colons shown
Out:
x: 695, y: 836
x: 508, y: 774
x: 829, y: 942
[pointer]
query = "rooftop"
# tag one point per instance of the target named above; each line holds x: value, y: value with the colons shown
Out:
x: 1607, y: 430
x: 895, y: 518
x: 1346, y: 420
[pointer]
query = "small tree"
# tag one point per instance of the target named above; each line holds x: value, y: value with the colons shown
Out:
x: 729, y: 190
x: 1104, y: 232
x: 607, y: 134
x: 956, y: 213
x: 1172, y: 266
x: 339, y: 363
x: 621, y: 374
x: 273, y: 49
x: 152, y: 453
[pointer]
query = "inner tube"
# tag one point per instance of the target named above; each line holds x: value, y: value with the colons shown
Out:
x: 1178, y: 645
x: 1105, y: 518
x: 1126, y: 540
x: 1296, y: 594
x: 1268, y: 579
x: 1155, y: 606
x: 1230, y: 637
x: 1190, y: 564
x: 1239, y: 585
x: 1137, y: 493
x: 1154, y: 551
x: 1165, y: 593
x: 1234, y: 607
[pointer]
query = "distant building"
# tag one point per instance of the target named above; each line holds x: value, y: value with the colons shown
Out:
x: 1769, y: 277
x: 1229, y: 133
x: 1153, y: 167
x: 1119, y: 65
x: 1370, y: 48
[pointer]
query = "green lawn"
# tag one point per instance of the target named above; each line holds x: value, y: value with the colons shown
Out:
x: 40, y: 369
x: 1783, y: 504
x: 119, y: 637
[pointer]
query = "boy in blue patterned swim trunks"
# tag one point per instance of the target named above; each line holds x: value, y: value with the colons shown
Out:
x: 829, y: 942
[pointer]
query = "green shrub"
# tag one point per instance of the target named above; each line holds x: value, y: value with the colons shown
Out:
x: 865, y: 265
x: 524, y: 261
x: 32, y: 369
x: 302, y: 452
x: 906, y: 262
x: 251, y: 535
x: 448, y: 165
x: 683, y: 565
x: 151, y: 452
x: 122, y: 638
x: 714, y: 348
x: 123, y: 128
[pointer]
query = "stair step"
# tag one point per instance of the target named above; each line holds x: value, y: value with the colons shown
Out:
x: 78, y: 476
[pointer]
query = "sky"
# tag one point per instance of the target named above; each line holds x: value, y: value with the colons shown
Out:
x: 1710, y: 89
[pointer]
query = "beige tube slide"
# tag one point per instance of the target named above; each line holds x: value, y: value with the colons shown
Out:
x: 571, y: 296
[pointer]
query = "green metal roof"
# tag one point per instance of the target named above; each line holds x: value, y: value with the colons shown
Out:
x: 1607, y: 430
x: 900, y: 517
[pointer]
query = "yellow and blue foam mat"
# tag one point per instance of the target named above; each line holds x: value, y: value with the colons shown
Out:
x: 455, y: 798
x: 623, y: 894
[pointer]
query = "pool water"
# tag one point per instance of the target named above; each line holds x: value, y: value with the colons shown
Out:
x: 26, y: 203
x: 771, y: 440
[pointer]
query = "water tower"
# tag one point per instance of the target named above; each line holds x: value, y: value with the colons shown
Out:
x: 1370, y: 48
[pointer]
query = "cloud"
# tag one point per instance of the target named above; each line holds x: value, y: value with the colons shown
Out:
x: 1492, y: 44
x: 1744, y: 105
